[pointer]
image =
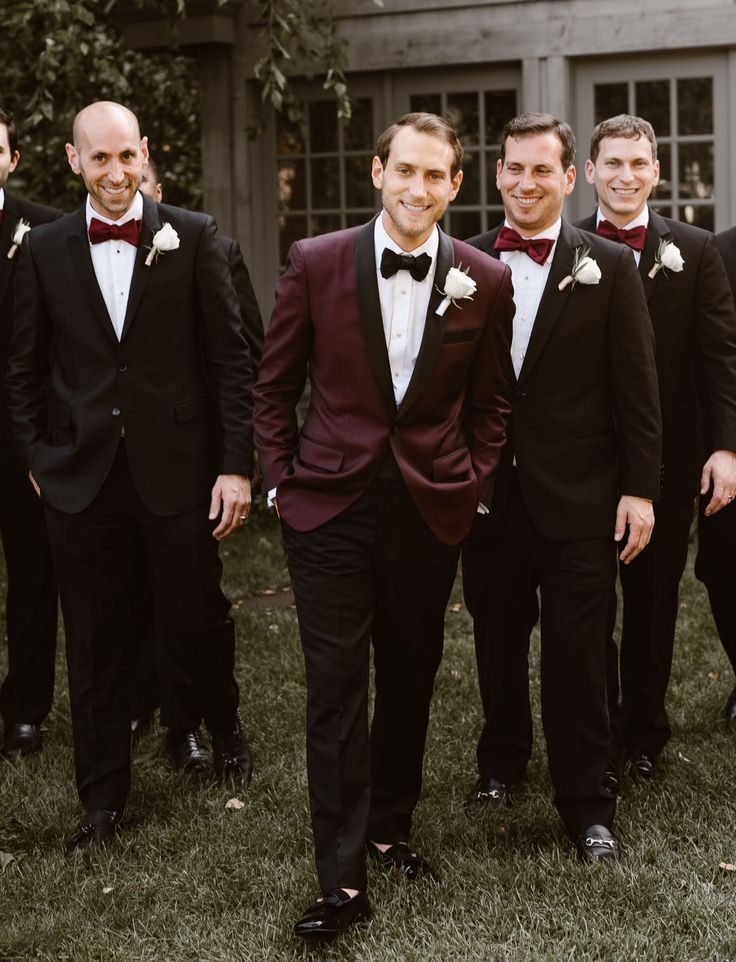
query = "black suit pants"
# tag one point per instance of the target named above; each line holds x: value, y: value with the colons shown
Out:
x: 375, y: 571
x: 715, y: 566
x: 28, y: 690
x: 501, y: 575
x: 649, y: 589
x: 95, y: 554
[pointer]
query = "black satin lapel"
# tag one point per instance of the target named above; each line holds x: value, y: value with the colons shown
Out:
x: 78, y: 243
x: 369, y: 306
x: 553, y: 299
x: 656, y: 230
x: 141, y: 273
x: 434, y: 326
x: 10, y: 219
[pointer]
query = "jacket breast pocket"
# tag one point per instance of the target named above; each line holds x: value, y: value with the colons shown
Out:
x: 453, y: 466
x: 192, y: 407
x: 457, y: 337
x: 317, y: 454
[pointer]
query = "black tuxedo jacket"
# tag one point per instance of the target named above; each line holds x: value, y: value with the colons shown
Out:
x: 585, y: 425
x: 692, y: 313
x: 178, y: 381
x: 249, y: 310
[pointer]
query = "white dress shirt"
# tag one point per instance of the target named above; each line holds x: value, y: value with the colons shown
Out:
x: 2, y: 198
x: 404, y: 304
x: 113, y: 262
x: 529, y: 279
x: 642, y: 220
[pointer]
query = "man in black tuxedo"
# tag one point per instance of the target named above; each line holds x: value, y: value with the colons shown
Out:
x: 714, y: 562
x: 28, y: 690
x: 129, y: 392
x: 581, y: 467
x: 692, y: 312
x: 169, y: 686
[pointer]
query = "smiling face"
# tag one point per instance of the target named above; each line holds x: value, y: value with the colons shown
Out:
x: 624, y: 174
x: 109, y: 154
x: 532, y: 181
x: 416, y: 185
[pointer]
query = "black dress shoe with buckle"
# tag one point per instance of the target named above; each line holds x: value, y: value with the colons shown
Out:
x: 400, y: 860
x: 21, y: 739
x: 139, y: 727
x: 487, y: 794
x: 186, y: 751
x: 598, y: 844
x: 730, y: 710
x: 642, y: 766
x: 95, y: 829
x: 233, y: 759
x: 332, y: 915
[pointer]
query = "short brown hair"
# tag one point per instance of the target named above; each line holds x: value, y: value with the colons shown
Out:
x: 525, y: 125
x: 425, y: 124
x: 6, y: 118
x: 622, y: 125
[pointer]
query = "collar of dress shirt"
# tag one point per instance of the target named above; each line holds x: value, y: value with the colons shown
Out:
x: 381, y: 239
x: 641, y: 220
x: 2, y: 198
x: 134, y: 212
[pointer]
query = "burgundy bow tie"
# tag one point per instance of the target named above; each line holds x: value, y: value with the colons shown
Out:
x: 537, y: 248
x: 130, y: 232
x: 635, y: 237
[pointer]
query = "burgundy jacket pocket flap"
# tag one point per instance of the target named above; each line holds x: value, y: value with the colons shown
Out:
x: 454, y: 466
x: 317, y: 454
x: 192, y: 407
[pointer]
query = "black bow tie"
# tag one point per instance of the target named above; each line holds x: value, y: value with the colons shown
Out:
x: 391, y: 262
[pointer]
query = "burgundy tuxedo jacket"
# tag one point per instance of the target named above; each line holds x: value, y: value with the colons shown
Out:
x: 446, y: 436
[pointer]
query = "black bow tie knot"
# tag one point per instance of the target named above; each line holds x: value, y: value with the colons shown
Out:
x: 391, y: 262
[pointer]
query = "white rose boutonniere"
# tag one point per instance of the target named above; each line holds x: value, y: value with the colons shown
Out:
x: 21, y: 229
x: 667, y: 258
x: 164, y: 240
x: 458, y: 286
x: 584, y: 269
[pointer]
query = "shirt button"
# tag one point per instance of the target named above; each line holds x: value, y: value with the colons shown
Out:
x: 523, y: 317
x: 398, y: 335
x: 115, y: 412
x: 403, y: 290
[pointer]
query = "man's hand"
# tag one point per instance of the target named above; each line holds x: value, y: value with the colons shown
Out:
x: 34, y: 483
x: 720, y: 471
x: 638, y: 513
x: 231, y: 495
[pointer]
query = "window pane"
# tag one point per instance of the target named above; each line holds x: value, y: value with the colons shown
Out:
x: 289, y: 137
x: 500, y: 108
x: 696, y: 170
x: 700, y: 216
x: 357, y: 219
x: 464, y: 223
x: 291, y: 186
x: 324, y: 223
x: 470, y: 188
x: 695, y: 105
x: 323, y: 126
x: 492, y: 193
x: 611, y: 99
x: 653, y: 103
x: 359, y: 129
x: 290, y: 229
x: 358, y: 184
x: 663, y: 190
x: 325, y: 182
x: 429, y: 103
x: 462, y: 112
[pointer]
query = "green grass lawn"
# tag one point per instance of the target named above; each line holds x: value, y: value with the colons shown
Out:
x: 190, y: 881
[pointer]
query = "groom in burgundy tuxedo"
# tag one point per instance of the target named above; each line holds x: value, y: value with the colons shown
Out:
x: 397, y: 454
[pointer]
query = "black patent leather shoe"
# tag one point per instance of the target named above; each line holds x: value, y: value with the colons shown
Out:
x: 730, y: 710
x: 598, y: 844
x: 333, y: 914
x: 187, y: 753
x: 487, y: 794
x: 233, y: 759
x: 139, y: 727
x: 95, y: 829
x: 400, y: 860
x: 642, y: 766
x: 21, y: 739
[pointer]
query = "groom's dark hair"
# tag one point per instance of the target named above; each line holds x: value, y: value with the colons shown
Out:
x: 622, y: 125
x: 526, y: 125
x: 425, y: 124
x: 7, y: 118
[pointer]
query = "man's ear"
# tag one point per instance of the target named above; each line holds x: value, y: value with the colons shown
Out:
x: 14, y: 161
x: 73, y: 157
x: 377, y: 173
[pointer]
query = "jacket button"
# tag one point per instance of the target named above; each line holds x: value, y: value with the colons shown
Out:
x: 115, y: 412
x: 519, y: 395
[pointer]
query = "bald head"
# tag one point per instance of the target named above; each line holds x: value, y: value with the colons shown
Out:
x: 109, y: 154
